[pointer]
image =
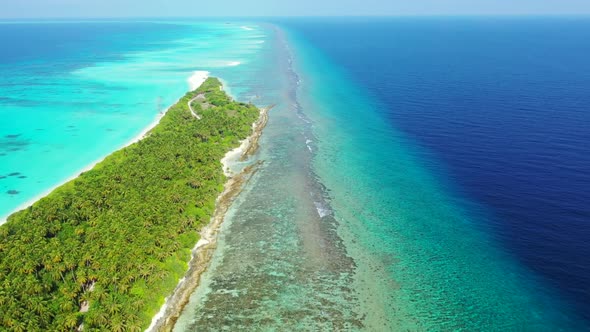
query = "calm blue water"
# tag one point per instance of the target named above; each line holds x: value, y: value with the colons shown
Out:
x: 498, y: 110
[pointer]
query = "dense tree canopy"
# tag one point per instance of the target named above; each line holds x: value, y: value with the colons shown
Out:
x: 105, y: 249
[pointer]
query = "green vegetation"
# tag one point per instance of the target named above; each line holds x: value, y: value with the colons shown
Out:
x: 119, y: 236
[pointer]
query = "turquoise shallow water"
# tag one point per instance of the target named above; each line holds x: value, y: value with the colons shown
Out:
x: 77, y: 91
x: 278, y: 265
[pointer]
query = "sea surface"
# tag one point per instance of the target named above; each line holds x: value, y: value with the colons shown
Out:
x: 421, y: 174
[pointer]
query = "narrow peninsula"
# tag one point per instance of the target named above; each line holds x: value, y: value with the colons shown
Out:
x: 104, y: 250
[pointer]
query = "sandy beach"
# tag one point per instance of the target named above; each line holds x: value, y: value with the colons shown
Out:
x: 165, y: 319
x: 194, y: 81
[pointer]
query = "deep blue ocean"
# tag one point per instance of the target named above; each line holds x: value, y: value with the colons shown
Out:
x: 500, y: 111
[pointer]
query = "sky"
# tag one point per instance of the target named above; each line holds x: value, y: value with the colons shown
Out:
x: 12, y: 9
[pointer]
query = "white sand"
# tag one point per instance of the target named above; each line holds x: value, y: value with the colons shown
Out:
x: 194, y: 82
x: 208, y: 234
x: 197, y: 79
x: 232, y: 156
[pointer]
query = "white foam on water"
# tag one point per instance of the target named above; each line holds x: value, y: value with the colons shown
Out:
x: 303, y: 118
x: 322, y: 210
x: 197, y: 78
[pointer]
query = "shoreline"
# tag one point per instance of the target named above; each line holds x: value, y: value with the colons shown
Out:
x: 247, y: 146
x: 203, y: 250
x: 194, y: 82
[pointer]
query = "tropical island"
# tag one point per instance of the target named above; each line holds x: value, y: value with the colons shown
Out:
x: 103, y: 251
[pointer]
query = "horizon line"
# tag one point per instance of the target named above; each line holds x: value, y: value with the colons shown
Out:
x: 299, y: 16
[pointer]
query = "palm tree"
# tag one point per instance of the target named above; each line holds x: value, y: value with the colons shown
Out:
x: 72, y: 321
